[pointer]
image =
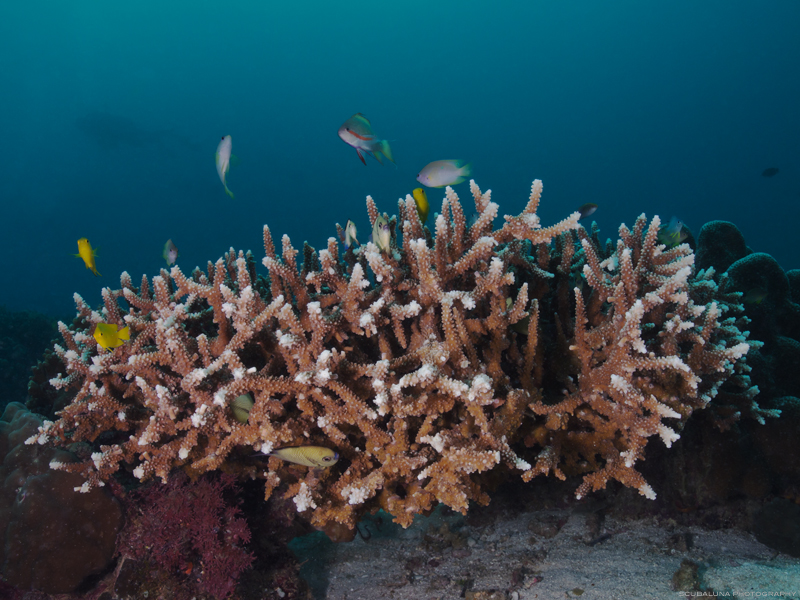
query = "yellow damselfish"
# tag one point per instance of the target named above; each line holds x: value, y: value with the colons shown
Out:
x: 309, y: 456
x: 88, y: 255
x: 109, y: 337
x: 423, y: 207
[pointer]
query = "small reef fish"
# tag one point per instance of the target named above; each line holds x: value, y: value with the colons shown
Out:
x: 754, y: 296
x: 357, y: 132
x: 309, y: 456
x: 350, y: 235
x: 170, y: 253
x: 441, y: 173
x: 672, y: 234
x: 88, y: 255
x: 241, y: 407
x: 381, y: 236
x: 423, y: 207
x: 223, y: 160
x: 587, y: 209
x: 770, y: 172
x: 109, y: 337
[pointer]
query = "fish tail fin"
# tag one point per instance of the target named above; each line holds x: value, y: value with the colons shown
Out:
x: 377, y: 154
x: 94, y: 271
x: 386, y: 150
x: 466, y: 171
x: 124, y: 333
x: 227, y: 191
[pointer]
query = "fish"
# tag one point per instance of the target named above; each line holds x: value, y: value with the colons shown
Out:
x: 170, y: 253
x: 754, y: 296
x: 770, y: 172
x: 350, y: 235
x: 357, y: 132
x: 441, y: 173
x: 381, y: 236
x: 88, y: 254
x: 109, y: 337
x: 673, y: 233
x: 309, y: 456
x: 587, y: 209
x: 223, y: 160
x: 241, y: 407
x: 423, y: 207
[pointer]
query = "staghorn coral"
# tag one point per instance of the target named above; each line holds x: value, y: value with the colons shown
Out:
x: 426, y: 367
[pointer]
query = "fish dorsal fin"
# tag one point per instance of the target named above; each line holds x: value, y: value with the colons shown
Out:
x: 363, y: 117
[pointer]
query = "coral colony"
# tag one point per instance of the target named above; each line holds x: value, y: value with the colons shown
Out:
x: 526, y: 349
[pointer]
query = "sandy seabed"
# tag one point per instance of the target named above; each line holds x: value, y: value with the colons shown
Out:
x: 571, y: 552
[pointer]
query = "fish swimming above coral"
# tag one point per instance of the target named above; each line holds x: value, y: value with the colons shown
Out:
x: 423, y: 206
x: 350, y: 235
x: 170, y: 253
x: 441, y: 173
x: 223, y: 161
x: 88, y: 254
x: 381, y: 235
x: 673, y: 233
x: 357, y: 132
x: 587, y: 209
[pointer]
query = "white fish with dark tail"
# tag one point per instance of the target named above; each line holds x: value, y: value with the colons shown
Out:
x: 441, y: 173
x: 357, y: 132
x: 223, y: 159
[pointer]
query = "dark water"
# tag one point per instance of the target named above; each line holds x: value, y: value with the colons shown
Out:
x: 111, y: 114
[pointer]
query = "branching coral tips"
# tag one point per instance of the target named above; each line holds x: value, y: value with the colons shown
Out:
x: 357, y: 132
x: 223, y: 160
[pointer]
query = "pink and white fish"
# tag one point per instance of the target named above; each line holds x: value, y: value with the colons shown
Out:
x: 440, y: 173
x: 357, y: 132
x: 223, y: 159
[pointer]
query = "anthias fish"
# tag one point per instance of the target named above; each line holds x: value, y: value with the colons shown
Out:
x: 441, y: 173
x: 357, y: 132
x: 223, y: 160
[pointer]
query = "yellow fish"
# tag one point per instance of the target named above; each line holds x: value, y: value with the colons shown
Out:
x: 421, y: 198
x: 241, y: 407
x: 309, y: 456
x: 88, y: 255
x: 109, y: 337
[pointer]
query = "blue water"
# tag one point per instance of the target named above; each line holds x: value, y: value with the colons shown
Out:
x: 111, y: 113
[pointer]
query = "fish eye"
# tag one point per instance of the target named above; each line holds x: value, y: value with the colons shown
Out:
x: 347, y: 129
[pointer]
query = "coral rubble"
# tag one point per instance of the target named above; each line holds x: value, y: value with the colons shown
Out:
x: 452, y: 358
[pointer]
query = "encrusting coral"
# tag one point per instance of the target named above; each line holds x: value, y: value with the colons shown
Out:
x: 425, y: 367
